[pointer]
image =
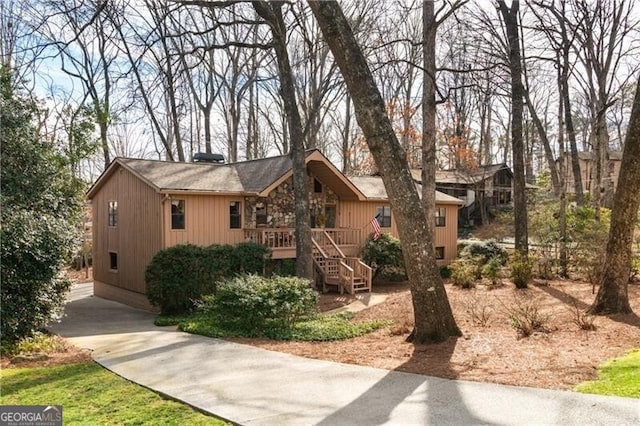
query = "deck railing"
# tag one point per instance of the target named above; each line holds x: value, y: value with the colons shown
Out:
x: 276, y: 238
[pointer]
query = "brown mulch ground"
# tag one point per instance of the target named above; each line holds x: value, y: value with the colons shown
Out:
x: 558, y: 358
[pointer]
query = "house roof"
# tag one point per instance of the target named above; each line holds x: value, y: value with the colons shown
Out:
x: 373, y: 188
x: 255, y: 177
x: 463, y: 177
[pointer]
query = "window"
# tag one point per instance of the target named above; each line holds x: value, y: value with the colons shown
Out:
x: 113, y: 261
x: 441, y: 216
x: 317, y: 186
x: 261, y: 214
x: 113, y: 214
x: 177, y: 214
x: 383, y: 214
x: 439, y: 253
x: 235, y: 215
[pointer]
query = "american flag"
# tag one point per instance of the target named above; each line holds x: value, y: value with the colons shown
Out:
x: 376, y: 227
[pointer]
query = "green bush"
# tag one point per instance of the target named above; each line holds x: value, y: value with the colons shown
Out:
x: 383, y: 254
x: 41, y: 205
x: 253, y: 303
x: 180, y: 275
x: 484, y: 252
x: 177, y: 276
x: 445, y: 272
x: 521, y: 270
x: 250, y: 258
x: 463, y: 272
x: 285, y: 268
x: 491, y: 271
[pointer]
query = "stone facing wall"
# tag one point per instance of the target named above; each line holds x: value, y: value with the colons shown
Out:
x: 281, y: 207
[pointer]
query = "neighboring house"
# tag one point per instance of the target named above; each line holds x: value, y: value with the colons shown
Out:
x: 588, y: 172
x: 143, y: 206
x: 484, y: 190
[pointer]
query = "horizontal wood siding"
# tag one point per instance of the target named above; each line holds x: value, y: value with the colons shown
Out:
x: 206, y: 221
x: 135, y: 239
x: 358, y: 215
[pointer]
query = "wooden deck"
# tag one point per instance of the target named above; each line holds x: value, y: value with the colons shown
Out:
x: 282, y: 241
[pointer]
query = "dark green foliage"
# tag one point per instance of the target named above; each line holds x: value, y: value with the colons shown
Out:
x: 445, y: 272
x: 177, y: 276
x: 478, y: 260
x: 41, y: 204
x: 219, y: 262
x: 484, y: 252
x: 282, y: 267
x: 317, y: 328
x: 325, y: 328
x: 252, y: 303
x: 180, y: 275
x: 250, y: 258
x: 384, y: 255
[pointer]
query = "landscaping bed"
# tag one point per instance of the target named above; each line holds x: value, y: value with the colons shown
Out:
x: 558, y: 357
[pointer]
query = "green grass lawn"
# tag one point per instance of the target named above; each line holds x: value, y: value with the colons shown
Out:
x: 619, y: 377
x: 90, y: 394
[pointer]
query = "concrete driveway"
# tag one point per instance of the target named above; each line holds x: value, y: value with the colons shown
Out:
x: 252, y: 386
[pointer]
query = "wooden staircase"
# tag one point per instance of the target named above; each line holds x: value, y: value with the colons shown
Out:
x: 334, y: 269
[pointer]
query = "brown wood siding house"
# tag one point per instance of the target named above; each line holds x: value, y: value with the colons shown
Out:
x: 488, y: 188
x: 143, y: 206
x: 611, y: 172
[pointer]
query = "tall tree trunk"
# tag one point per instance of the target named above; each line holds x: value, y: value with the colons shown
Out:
x: 434, y: 319
x: 346, y: 151
x: 429, y: 29
x: 571, y: 134
x: 601, y: 137
x: 562, y: 173
x: 510, y: 16
x: 613, y: 295
x: 272, y: 13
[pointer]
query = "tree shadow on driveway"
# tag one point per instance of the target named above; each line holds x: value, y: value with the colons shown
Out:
x: 406, y: 398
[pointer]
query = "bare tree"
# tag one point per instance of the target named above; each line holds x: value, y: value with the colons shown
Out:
x: 271, y: 12
x: 603, y: 30
x: 510, y: 16
x: 83, y: 39
x: 433, y: 316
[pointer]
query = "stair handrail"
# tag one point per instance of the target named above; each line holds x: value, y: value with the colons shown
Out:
x: 346, y: 276
x: 316, y: 245
x: 333, y: 244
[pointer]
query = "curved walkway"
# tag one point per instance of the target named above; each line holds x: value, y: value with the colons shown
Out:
x: 252, y: 386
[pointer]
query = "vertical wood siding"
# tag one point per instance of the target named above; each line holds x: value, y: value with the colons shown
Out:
x: 135, y: 239
x: 358, y: 215
x: 206, y: 221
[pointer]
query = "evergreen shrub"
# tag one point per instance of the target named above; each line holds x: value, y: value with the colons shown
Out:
x: 178, y: 276
x: 384, y: 255
x: 253, y: 303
